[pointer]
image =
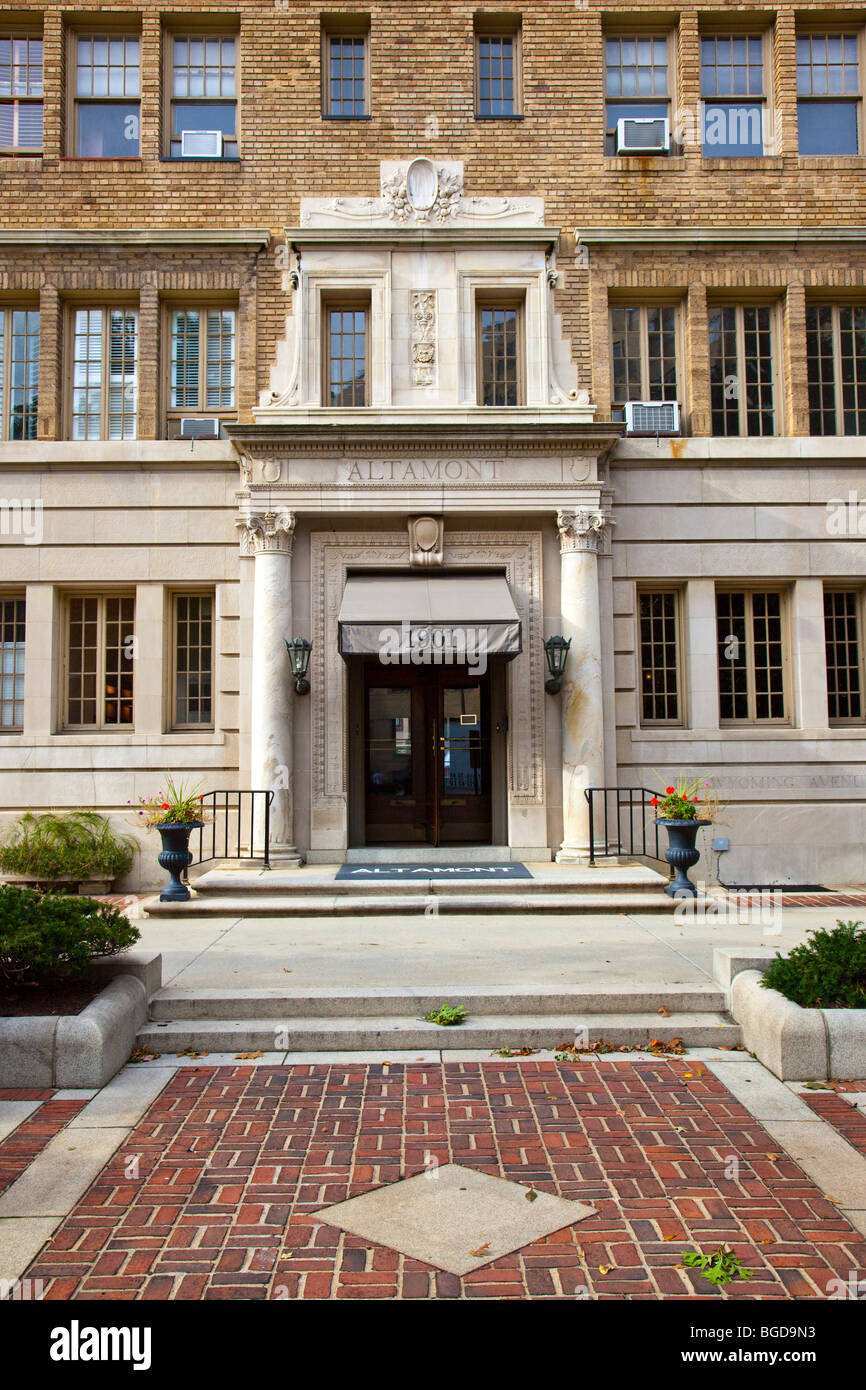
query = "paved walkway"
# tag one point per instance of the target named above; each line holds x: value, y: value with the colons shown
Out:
x: 201, y: 1182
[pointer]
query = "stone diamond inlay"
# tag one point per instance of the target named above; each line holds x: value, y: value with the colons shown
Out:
x: 443, y: 1215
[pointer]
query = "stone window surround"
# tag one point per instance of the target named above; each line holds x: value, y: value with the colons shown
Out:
x: 332, y: 555
x: 321, y: 287
x: 475, y: 286
x: 152, y: 705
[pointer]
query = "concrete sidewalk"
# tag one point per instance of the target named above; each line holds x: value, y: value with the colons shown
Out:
x: 521, y: 949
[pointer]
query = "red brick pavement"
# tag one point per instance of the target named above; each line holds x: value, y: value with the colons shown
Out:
x: 18, y: 1149
x: 212, y: 1195
x: 840, y: 1113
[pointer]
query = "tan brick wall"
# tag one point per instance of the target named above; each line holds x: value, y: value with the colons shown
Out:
x: 422, y: 66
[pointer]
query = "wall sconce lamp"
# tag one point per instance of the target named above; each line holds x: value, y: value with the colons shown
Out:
x: 555, y: 654
x: 299, y: 657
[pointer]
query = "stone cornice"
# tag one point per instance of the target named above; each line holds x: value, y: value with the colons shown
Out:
x: 378, y: 437
x: 678, y: 236
x: 402, y: 236
x: 124, y: 238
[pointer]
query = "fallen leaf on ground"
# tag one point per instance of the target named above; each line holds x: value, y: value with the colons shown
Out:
x: 531, y: 1195
x: 665, y: 1013
x: 286, y: 972
x: 605, y: 1269
x: 817, y: 1085
x: 247, y: 1056
x: 666, y: 1238
x: 834, y: 1200
x: 772, y: 1157
x: 482, y: 1249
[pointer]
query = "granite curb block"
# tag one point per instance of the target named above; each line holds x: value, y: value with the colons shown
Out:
x: 798, y: 1044
x: 85, y: 1049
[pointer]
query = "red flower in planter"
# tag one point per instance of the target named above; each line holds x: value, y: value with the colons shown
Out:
x: 655, y: 801
x: 669, y: 791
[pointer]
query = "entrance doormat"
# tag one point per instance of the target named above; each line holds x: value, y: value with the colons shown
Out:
x: 366, y: 873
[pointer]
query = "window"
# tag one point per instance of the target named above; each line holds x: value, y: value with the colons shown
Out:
x: 345, y: 69
x: 105, y: 117
x: 498, y: 86
x: 828, y: 93
x: 732, y: 86
x: 104, y: 373
x: 751, y: 656
x: 193, y: 661
x: 844, y: 642
x: 658, y: 617
x: 836, y: 358
x: 11, y: 662
x: 203, y: 96
x: 636, y: 81
x: 99, y: 661
x: 20, y: 94
x: 19, y: 373
x: 202, y: 364
x: 643, y: 354
x: 346, y: 354
x: 499, y: 348
x: 741, y: 369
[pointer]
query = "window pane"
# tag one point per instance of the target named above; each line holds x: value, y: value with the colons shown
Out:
x: 12, y: 636
x: 347, y: 357
x: 185, y: 332
x: 123, y: 379
x: 732, y: 655
x: 193, y: 659
x: 107, y: 129
x: 346, y: 75
x: 821, y: 369
x: 87, y: 374
x: 24, y: 374
x: 220, y: 386
x: 827, y: 127
x: 733, y: 128
x: 658, y: 656
x: 500, y: 367
x: 844, y: 660
x: 496, y: 75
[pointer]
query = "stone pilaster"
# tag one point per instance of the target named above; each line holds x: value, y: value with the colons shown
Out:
x: 269, y: 537
x: 580, y: 534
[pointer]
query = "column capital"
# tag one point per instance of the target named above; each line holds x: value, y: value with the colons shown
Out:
x: 582, y: 529
x: 267, y: 533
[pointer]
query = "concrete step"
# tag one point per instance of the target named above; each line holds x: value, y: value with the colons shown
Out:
x: 367, y: 904
x: 398, y: 1031
x: 546, y: 879
x: 171, y: 1004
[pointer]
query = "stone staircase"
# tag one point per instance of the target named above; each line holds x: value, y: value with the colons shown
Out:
x: 392, y: 1019
x: 234, y: 890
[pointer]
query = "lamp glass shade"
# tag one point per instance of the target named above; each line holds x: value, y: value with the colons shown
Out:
x: 556, y: 653
x: 299, y: 656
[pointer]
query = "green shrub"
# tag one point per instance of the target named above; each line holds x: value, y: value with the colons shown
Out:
x: 80, y: 844
x: 55, y: 935
x: 828, y: 972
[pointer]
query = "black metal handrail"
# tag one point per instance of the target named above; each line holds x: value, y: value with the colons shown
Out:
x: 242, y: 833
x: 618, y: 808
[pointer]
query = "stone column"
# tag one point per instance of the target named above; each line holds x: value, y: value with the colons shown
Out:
x: 582, y: 693
x: 269, y: 537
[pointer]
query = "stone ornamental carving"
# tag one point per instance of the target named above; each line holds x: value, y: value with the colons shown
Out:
x: 267, y: 533
x: 581, y: 530
x: 422, y: 192
x: 426, y: 541
x: 423, y: 322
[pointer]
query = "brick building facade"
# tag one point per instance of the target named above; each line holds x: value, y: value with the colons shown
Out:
x: 402, y: 264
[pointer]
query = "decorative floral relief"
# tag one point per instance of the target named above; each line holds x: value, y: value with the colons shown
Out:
x: 423, y: 316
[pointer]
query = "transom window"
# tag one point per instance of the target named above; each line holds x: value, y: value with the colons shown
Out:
x: 643, y: 354
x: 12, y: 634
x: 204, y: 96
x: 828, y: 93
x: 741, y: 369
x: 346, y: 353
x: 844, y: 643
x: 836, y: 358
x: 636, y: 81
x: 500, y: 353
x: 106, y: 95
x: 498, y: 87
x: 20, y: 93
x: 732, y: 85
x: 345, y: 74
x: 19, y: 373
x: 104, y: 373
x: 100, y: 633
x: 202, y: 367
x: 751, y: 656
x: 659, y: 657
x: 193, y: 661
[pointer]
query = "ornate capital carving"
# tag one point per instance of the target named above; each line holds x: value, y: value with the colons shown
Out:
x: 267, y: 533
x: 581, y: 530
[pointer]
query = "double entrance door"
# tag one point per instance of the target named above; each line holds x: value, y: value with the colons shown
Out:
x: 429, y: 736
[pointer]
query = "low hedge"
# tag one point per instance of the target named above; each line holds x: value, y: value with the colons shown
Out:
x: 51, y: 845
x: 827, y: 972
x: 52, y: 935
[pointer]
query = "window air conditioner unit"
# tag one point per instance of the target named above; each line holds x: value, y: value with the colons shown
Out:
x: 652, y: 417
x: 199, y: 429
x: 643, y: 135
x: 201, y: 144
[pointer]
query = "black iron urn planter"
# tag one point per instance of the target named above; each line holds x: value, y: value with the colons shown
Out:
x: 175, y: 856
x: 681, y: 854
